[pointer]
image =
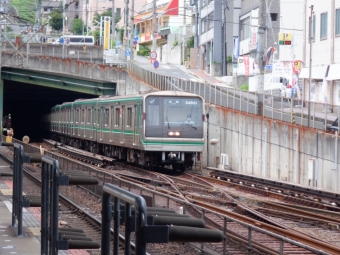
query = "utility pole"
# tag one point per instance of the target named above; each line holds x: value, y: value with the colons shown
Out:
x: 184, y: 31
x: 261, y: 35
x: 63, y: 29
x: 196, y: 44
x: 310, y: 59
x: 132, y: 34
x: 154, y: 11
x: 87, y: 14
x: 113, y: 34
x: 126, y: 18
x: 223, y: 39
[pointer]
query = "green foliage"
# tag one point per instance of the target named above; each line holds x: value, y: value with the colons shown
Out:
x: 26, y: 9
x: 190, y: 42
x: 56, y: 20
x: 175, y: 43
x: 143, y: 53
x: 229, y: 59
x: 77, y: 26
x: 121, y: 34
x: 96, y: 34
x: 244, y: 87
x: 142, y: 47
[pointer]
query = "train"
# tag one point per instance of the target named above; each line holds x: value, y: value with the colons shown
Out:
x: 152, y: 129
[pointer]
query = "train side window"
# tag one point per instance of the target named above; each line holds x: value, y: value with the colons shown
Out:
x: 129, y: 117
x: 82, y: 117
x: 117, y: 117
x: 89, y: 116
x: 106, y: 117
x: 112, y: 117
x: 77, y: 115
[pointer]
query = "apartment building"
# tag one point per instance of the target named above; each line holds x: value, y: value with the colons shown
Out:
x: 325, y: 51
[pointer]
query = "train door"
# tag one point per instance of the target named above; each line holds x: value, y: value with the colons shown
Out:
x: 122, y: 130
x: 98, y: 127
x: 88, y: 128
x: 68, y: 122
x: 105, y: 121
x: 94, y: 123
x: 112, y: 124
x: 77, y: 120
x: 82, y: 122
x: 134, y: 124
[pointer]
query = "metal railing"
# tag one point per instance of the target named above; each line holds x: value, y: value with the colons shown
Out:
x: 285, y: 109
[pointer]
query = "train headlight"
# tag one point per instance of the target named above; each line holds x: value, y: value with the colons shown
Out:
x: 174, y: 133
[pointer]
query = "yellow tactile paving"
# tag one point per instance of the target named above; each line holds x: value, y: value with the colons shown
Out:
x: 6, y: 192
x: 35, y: 230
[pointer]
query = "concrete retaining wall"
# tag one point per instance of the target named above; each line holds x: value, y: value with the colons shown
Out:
x: 126, y: 84
x: 272, y: 149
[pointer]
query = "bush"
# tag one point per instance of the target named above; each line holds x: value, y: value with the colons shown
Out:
x: 244, y: 87
x: 143, y: 53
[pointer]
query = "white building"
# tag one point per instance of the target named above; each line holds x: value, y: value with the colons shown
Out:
x: 325, y: 75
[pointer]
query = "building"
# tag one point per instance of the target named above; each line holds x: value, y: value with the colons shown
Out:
x: 173, y: 27
x: 85, y: 10
x: 325, y: 52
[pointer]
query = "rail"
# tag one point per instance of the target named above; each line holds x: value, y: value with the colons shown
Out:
x: 174, y: 203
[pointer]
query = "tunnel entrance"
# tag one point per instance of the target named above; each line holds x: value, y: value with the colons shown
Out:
x: 30, y: 105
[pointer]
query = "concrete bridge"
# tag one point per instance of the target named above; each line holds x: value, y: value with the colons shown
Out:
x: 258, y: 137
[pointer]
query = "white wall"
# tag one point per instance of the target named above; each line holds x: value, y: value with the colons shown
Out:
x: 292, y: 21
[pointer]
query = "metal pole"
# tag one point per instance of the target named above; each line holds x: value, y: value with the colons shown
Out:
x: 113, y: 33
x: 126, y: 19
x: 336, y: 159
x: 196, y: 43
x: 131, y: 28
x: 265, y: 153
x: 154, y: 26
x: 87, y: 14
x: 261, y: 33
x: 63, y: 29
x: 310, y: 59
x: 223, y: 40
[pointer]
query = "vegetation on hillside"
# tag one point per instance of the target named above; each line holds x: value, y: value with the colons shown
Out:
x: 27, y: 9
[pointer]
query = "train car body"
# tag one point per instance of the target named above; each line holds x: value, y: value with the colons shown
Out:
x: 153, y: 129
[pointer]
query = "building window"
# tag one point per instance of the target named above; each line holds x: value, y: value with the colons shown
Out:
x: 118, y: 11
x: 245, y: 28
x: 313, y: 28
x: 143, y: 28
x: 273, y: 16
x: 337, y: 22
x: 210, y: 21
x: 323, y: 26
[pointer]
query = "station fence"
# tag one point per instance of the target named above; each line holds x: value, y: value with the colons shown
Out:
x: 293, y: 110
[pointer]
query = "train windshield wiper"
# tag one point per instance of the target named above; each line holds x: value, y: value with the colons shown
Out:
x: 166, y: 117
x: 190, y: 125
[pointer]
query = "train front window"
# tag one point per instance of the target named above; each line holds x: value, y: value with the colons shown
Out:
x: 174, y: 112
x: 182, y: 111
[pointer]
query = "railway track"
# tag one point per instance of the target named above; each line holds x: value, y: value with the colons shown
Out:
x: 237, y: 232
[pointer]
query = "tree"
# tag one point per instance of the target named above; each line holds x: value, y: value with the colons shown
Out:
x: 56, y: 20
x: 96, y: 17
x: 77, y: 26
